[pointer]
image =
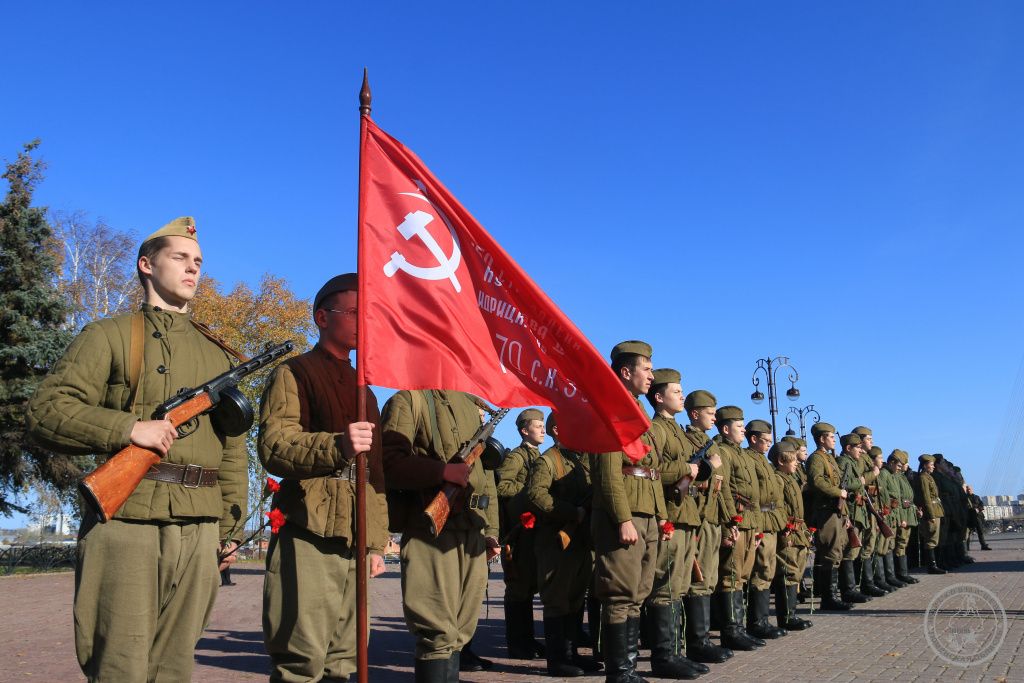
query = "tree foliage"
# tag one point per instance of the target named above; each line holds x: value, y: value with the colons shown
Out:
x: 32, y: 333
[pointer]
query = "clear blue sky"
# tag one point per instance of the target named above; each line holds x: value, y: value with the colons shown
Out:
x: 836, y: 183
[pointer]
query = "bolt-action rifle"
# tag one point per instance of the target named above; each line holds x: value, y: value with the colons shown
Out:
x: 107, y: 487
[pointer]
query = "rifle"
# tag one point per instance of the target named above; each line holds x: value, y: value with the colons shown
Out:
x: 565, y: 533
x: 882, y: 526
x: 682, y: 487
x: 107, y: 488
x: 852, y: 537
x: 441, y: 505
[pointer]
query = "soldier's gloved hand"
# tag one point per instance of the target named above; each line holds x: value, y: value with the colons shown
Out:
x: 493, y: 547
x: 627, y: 533
x: 376, y: 565
x: 456, y: 473
x: 358, y: 439
x: 154, y: 435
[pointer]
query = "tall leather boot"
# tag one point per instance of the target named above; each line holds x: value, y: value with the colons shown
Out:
x: 831, y: 597
x: 585, y: 662
x: 733, y: 637
x: 454, y: 666
x: 581, y: 638
x: 878, y: 567
x: 868, y: 585
x: 929, y: 560
x: 633, y: 647
x: 663, y: 635
x: 758, y: 611
x: 594, y: 623
x: 699, y: 647
x: 962, y: 550
x: 431, y: 671
x: 785, y: 608
x: 847, y: 584
x: 558, y: 649
x: 617, y: 668
x: 889, y: 564
x: 519, y: 629
x: 471, y: 661
x: 902, y: 572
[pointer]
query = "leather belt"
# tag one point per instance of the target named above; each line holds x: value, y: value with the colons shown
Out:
x: 347, y: 473
x: 768, y: 508
x: 642, y: 473
x: 189, y: 476
x: 479, y: 501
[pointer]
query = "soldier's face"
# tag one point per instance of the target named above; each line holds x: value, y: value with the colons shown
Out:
x: 928, y: 467
x: 533, y: 432
x: 672, y: 398
x: 803, y: 454
x: 829, y: 441
x: 788, y: 467
x: 639, y: 377
x: 867, y: 442
x: 173, y: 272
x: 761, y: 443
x: 734, y: 431
x: 338, y: 320
x: 703, y: 418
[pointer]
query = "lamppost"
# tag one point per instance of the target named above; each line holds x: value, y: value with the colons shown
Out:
x: 770, y: 367
x: 801, y: 413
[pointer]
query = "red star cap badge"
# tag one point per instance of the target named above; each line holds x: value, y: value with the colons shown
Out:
x: 191, y: 229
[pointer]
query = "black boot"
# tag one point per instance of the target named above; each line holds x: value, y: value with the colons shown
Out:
x: 826, y: 585
x: 454, y: 667
x: 929, y: 560
x: 964, y: 557
x: 889, y: 563
x: 699, y: 647
x: 878, y: 566
x: 785, y: 608
x: 573, y: 625
x: 868, y: 586
x: 733, y: 634
x: 519, y: 629
x: 431, y: 671
x: 616, y: 654
x: 848, y: 585
x: 558, y: 649
x: 902, y: 573
x: 663, y: 634
x: 581, y: 638
x: 594, y: 623
x: 471, y: 661
x: 759, y: 610
x: 633, y: 647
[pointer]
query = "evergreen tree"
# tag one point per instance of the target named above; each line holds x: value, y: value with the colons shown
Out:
x: 31, y: 335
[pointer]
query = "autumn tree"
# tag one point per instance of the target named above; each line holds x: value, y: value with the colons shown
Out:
x: 32, y: 334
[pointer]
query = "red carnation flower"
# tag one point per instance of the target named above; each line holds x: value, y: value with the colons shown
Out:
x: 737, y: 518
x: 527, y: 519
x: 790, y: 526
x: 667, y: 527
x: 812, y: 529
x: 276, y: 520
x: 759, y: 536
x: 272, y: 485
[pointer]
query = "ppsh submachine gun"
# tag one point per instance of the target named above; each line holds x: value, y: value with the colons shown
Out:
x: 107, y: 488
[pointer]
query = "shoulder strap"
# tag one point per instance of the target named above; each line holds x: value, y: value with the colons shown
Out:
x: 559, y: 463
x: 208, y: 333
x: 424, y: 407
x: 136, y: 352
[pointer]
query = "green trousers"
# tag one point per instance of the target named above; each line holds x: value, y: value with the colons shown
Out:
x: 736, y: 562
x: 791, y: 561
x: 709, y: 540
x: 765, y: 556
x: 521, y: 572
x: 143, y: 595
x: 902, y: 540
x: 309, y: 606
x: 563, y: 574
x: 443, y: 583
x: 623, y: 574
x: 929, y: 531
x: 674, y: 568
x: 831, y: 540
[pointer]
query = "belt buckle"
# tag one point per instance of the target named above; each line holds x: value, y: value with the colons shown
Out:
x: 473, y: 500
x: 191, y: 477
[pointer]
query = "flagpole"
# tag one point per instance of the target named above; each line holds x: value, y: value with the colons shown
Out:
x: 362, y: 628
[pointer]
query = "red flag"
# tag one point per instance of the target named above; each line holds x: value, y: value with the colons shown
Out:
x: 442, y: 306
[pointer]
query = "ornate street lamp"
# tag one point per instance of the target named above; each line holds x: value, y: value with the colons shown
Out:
x: 801, y: 414
x: 770, y: 367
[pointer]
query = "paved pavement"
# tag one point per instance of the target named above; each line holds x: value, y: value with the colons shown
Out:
x: 884, y: 640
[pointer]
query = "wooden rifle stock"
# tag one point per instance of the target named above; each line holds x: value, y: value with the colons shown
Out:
x: 852, y: 537
x: 109, y: 485
x: 882, y: 526
x: 697, y: 576
x: 441, y: 506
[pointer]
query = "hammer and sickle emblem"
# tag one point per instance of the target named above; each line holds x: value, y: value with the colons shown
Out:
x: 415, y: 224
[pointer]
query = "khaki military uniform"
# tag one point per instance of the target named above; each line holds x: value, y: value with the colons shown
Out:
x: 737, y: 562
x: 824, y: 481
x: 559, y: 488
x: 851, y: 471
x: 927, y: 497
x: 675, y: 557
x: 624, y: 575
x: 795, y: 538
x: 309, y: 589
x: 889, y: 508
x: 158, y: 554
x: 907, y: 512
x: 520, y: 571
x: 773, y: 520
x: 443, y: 578
x: 717, y: 510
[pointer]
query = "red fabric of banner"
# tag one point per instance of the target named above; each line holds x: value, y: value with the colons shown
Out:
x: 442, y: 306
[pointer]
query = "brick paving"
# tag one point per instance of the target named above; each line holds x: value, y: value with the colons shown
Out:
x: 883, y: 640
